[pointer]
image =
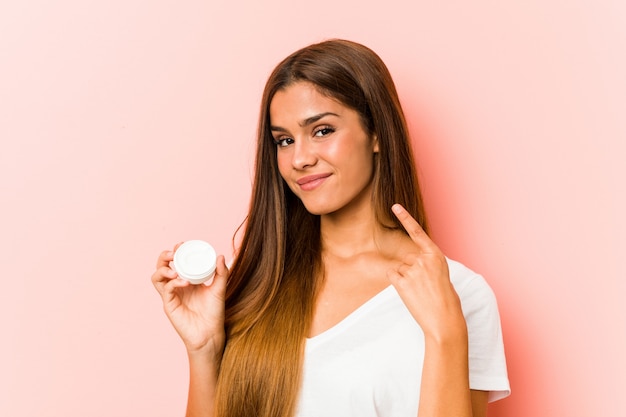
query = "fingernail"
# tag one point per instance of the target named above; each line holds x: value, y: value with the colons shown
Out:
x: 396, y: 208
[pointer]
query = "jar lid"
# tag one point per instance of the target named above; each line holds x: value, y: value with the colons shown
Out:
x: 195, y: 261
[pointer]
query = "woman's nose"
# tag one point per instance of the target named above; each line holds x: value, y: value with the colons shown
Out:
x: 304, y: 154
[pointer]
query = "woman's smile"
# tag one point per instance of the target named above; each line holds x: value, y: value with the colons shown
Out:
x: 311, y: 182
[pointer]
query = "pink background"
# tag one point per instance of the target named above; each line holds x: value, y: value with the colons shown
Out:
x: 127, y: 126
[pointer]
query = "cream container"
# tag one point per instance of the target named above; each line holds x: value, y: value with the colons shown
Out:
x: 195, y: 261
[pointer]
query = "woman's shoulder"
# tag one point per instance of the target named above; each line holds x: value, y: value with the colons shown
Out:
x: 462, y: 276
x: 472, y: 288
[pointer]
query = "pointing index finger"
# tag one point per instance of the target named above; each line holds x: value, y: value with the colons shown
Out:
x: 415, y: 231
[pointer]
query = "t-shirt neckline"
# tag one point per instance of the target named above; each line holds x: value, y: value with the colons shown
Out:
x: 355, y: 315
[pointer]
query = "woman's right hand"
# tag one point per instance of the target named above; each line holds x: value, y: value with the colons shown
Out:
x: 196, y: 311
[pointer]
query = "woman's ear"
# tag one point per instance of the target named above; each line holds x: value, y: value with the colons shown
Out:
x: 375, y: 143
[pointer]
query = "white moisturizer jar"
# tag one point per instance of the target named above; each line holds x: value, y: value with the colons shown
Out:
x: 195, y: 261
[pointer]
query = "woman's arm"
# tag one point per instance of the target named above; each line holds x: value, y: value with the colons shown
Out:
x: 197, y: 314
x: 423, y: 283
x: 203, y: 372
x: 445, y: 378
x: 479, y: 403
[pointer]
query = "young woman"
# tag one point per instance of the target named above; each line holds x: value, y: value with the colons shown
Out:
x: 338, y: 303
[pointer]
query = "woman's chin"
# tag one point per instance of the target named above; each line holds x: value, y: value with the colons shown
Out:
x: 318, y: 208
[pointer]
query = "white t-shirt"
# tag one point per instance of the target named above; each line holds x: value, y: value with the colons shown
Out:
x: 370, y: 364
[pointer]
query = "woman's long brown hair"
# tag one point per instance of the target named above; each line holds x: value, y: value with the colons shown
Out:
x: 276, y: 275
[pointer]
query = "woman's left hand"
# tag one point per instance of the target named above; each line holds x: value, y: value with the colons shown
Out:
x: 423, y: 282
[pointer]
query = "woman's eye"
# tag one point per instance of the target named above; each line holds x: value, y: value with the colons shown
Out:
x: 282, y: 142
x: 324, y: 131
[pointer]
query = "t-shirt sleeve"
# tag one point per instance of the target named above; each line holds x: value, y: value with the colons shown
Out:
x: 487, y: 362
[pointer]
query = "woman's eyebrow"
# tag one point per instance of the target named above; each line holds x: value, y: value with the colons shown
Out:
x: 313, y: 119
x: 305, y: 122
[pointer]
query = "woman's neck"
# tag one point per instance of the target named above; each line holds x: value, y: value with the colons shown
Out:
x: 350, y: 233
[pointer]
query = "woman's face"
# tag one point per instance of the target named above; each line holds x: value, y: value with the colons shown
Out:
x: 324, y: 153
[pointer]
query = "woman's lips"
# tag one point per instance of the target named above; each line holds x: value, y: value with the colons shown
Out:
x: 311, y: 182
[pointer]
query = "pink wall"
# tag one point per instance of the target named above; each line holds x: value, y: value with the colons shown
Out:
x: 127, y: 126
